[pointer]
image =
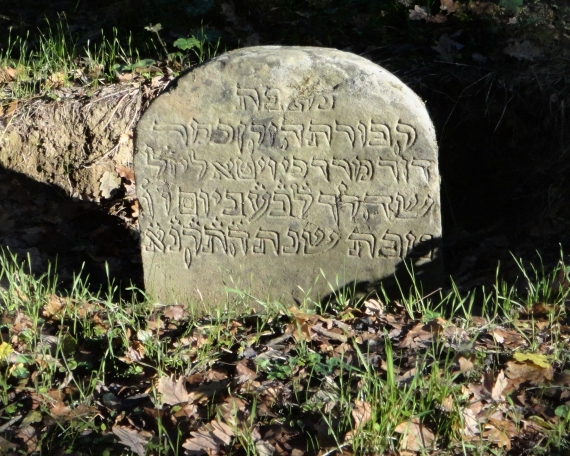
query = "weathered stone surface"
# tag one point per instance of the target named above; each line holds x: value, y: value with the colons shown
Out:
x: 270, y: 168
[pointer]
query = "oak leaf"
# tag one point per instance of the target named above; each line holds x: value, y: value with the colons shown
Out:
x: 529, y: 371
x: 210, y: 436
x: 361, y: 413
x: 109, y: 184
x: 131, y: 438
x: 416, y: 437
x: 173, y: 392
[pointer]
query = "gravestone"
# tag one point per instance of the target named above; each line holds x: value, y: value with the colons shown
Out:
x: 283, y: 172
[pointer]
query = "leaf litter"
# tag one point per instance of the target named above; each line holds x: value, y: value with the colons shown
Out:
x: 294, y: 383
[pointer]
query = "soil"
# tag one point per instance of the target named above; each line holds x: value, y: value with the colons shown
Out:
x: 502, y: 126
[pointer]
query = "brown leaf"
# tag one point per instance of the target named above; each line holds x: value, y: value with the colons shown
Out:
x: 175, y: 313
x: 210, y: 436
x: 500, y: 432
x: 373, y: 307
x: 508, y: 337
x: 60, y: 410
x: 471, y: 423
x: 361, y: 413
x: 135, y: 208
x: 29, y: 435
x: 173, y: 393
x: 417, y: 337
x: 416, y: 436
x: 329, y: 334
x: 465, y: 364
x: 124, y: 171
x: 54, y: 306
x: 135, y: 352
x: 244, y: 373
x: 449, y: 5
x: 11, y: 108
x: 8, y: 74
x: 131, y: 438
x: 529, y: 371
x: 438, y: 19
x: 500, y: 384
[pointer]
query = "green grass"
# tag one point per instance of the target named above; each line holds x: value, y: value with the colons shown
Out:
x: 367, y: 378
x: 54, y: 59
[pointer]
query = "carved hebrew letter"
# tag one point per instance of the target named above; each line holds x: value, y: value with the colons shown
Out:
x: 380, y: 202
x: 223, y: 133
x: 201, y: 164
x: 379, y: 135
x: 237, y: 241
x: 154, y: 239
x: 244, y: 169
x: 332, y: 201
x: 393, y: 245
x: 323, y: 102
x: 263, y: 238
x: 274, y: 97
x: 177, y: 128
x: 281, y: 202
x: 215, y: 237
x: 342, y: 128
x: 235, y: 199
x: 248, y: 99
x: 290, y: 135
x: 363, y: 244
x: 323, y: 165
x: 259, y: 199
x: 318, y: 134
x: 293, y: 246
x: 405, y: 139
x: 201, y: 133
x: 317, y: 241
x: 303, y: 194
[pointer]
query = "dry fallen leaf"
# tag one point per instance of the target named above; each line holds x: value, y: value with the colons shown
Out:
x: 8, y: 74
x: 210, y: 436
x: 173, y: 392
x: 124, y: 171
x: 416, y: 436
x: 465, y: 364
x: 361, y: 413
x: 109, y: 183
x: 11, y: 108
x: 131, y: 438
x: 501, y: 383
x: 529, y: 371
x: 54, y: 306
x: 244, y: 373
x: 523, y: 50
x: 418, y: 337
x: 449, y: 5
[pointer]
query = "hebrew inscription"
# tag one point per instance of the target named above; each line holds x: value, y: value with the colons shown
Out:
x: 269, y: 167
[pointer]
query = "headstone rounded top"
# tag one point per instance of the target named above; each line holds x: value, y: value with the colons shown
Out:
x: 298, y: 74
x: 267, y: 167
